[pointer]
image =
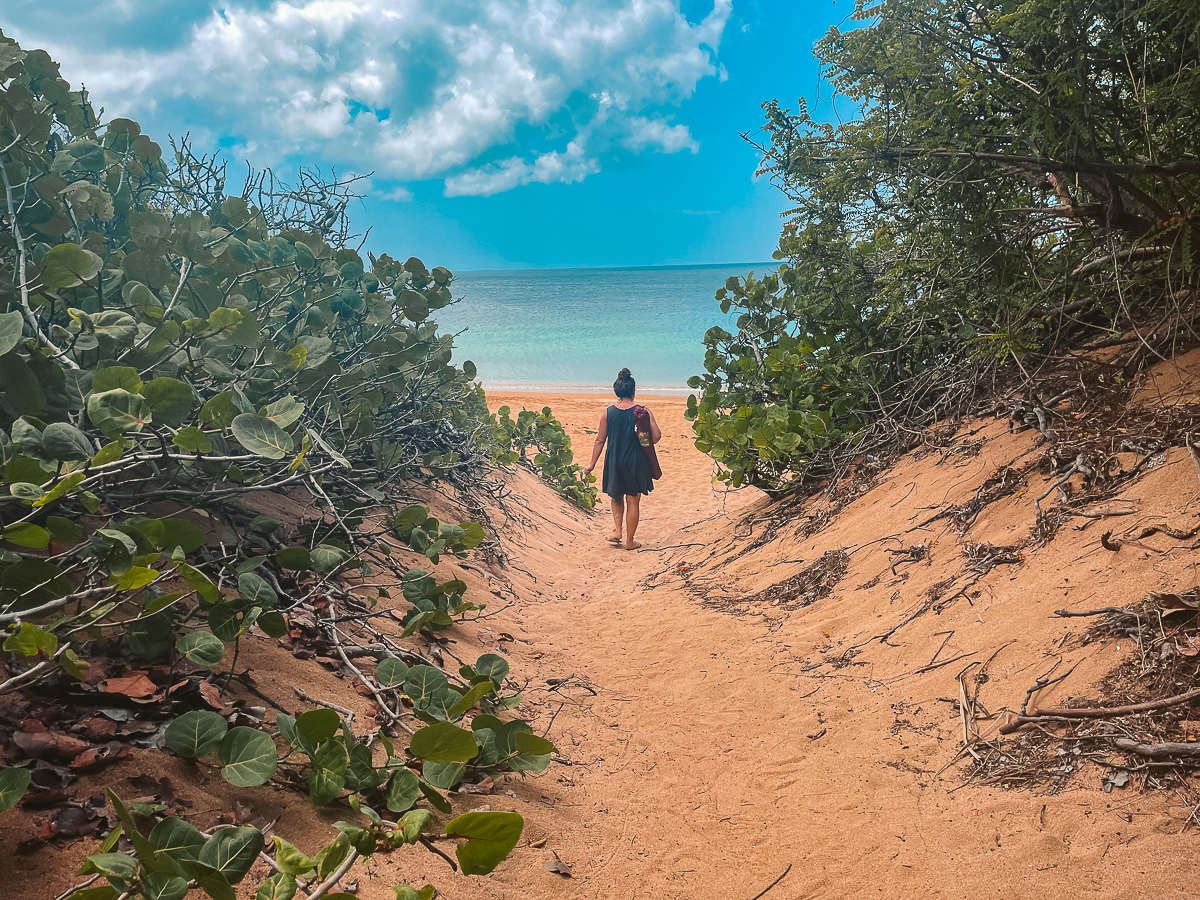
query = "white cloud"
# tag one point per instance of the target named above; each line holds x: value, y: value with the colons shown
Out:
x: 399, y: 194
x: 485, y: 94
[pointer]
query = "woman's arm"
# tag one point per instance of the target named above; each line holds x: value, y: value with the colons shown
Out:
x: 601, y: 436
x: 655, y: 431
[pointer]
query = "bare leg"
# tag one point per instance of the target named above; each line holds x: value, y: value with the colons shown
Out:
x: 618, y: 513
x: 633, y: 503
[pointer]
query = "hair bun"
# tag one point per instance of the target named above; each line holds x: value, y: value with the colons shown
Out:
x: 624, y: 373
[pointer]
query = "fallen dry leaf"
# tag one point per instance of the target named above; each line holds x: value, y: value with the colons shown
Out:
x: 50, y: 745
x: 557, y: 866
x: 136, y: 685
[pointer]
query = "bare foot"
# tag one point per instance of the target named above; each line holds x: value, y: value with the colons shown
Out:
x: 614, y: 539
x: 632, y: 545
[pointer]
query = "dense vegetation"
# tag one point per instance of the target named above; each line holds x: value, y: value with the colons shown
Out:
x: 169, y: 348
x: 1020, y: 178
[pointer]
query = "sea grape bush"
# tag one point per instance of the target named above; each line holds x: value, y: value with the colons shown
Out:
x: 160, y: 343
x: 166, y: 345
x: 175, y: 857
x: 780, y: 390
x: 511, y: 438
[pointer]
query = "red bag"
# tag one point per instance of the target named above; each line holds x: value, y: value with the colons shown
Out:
x: 641, y: 419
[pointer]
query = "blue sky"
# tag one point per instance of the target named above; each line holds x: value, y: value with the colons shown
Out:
x: 502, y: 133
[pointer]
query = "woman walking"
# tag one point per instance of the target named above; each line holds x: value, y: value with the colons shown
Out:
x: 627, y: 470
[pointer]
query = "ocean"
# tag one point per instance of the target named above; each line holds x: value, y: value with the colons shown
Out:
x: 572, y: 330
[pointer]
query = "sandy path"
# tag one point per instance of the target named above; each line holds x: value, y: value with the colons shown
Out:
x: 711, y: 759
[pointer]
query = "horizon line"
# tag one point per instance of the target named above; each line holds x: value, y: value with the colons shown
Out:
x: 658, y: 266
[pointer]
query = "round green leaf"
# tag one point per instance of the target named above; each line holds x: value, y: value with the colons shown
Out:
x: 192, y: 440
x: 443, y: 742
x: 117, y: 411
x: 248, y: 757
x: 64, y: 530
x: 13, y: 783
x: 223, y: 621
x: 295, y: 558
x: 195, y: 734
x: 232, y: 851
x: 201, y: 647
x: 256, y: 590
x: 493, y: 666
x: 66, y: 443
x: 170, y: 400
x: 391, y: 672
x: 32, y: 582
x: 328, y: 774
x: 318, y: 725
x: 12, y: 325
x: 326, y: 558
x: 67, y: 265
x: 26, y: 534
x: 491, y: 837
x: 273, y: 624
x: 261, y: 436
x: 402, y: 791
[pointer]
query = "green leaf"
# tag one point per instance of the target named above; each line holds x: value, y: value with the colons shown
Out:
x: 509, y: 741
x: 65, y: 443
x: 219, y: 412
x: 405, y: 892
x: 61, y: 489
x: 326, y: 558
x: 284, y: 412
x: 209, y: 880
x: 491, y: 837
x: 328, y: 774
x: 473, y: 696
x: 110, y: 452
x: 443, y: 775
x: 294, y: 558
x: 170, y: 399
x: 26, y: 534
x: 67, y: 265
x: 290, y: 859
x: 192, y: 440
x: 232, y: 851
x: 493, y: 666
x: 30, y: 641
x: 13, y: 783
x: 118, y: 411
x: 181, y: 533
x: 279, y: 886
x: 73, y: 665
x: 200, y: 583
x: 134, y: 578
x: 256, y: 590
x: 248, y: 757
x: 195, y: 734
x: 318, y: 725
x: 443, y: 742
x: 111, y: 378
x: 333, y: 855
x: 473, y: 535
x: 21, y: 387
x: 391, y: 672
x: 32, y: 582
x: 12, y: 325
x: 531, y: 744
x: 273, y: 624
x: 261, y: 436
x: 402, y: 791
x: 201, y: 647
x: 224, y: 622
x: 159, y: 886
x: 63, y: 530
x: 23, y: 490
x: 176, y: 839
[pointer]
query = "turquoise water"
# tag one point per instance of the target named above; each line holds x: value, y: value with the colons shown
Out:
x: 573, y: 329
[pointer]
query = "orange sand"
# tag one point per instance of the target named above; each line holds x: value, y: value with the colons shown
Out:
x: 712, y: 742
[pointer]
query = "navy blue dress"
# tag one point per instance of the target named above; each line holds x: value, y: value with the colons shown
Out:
x: 626, y: 468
